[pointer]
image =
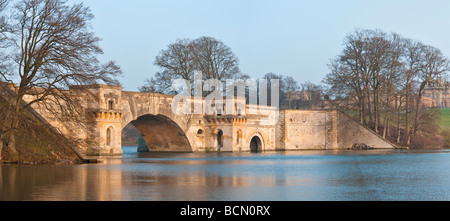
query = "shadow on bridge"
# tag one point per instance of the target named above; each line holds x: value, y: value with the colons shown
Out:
x: 156, y: 133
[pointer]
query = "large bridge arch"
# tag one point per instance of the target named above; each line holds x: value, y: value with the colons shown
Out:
x: 161, y: 133
x: 160, y: 128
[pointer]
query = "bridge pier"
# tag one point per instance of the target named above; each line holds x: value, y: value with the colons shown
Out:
x: 105, y: 137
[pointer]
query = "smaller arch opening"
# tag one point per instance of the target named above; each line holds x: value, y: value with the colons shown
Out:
x: 199, y: 132
x: 238, y: 136
x: 109, y: 136
x: 220, y: 138
x: 255, y: 144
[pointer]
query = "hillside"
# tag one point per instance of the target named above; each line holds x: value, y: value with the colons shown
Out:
x: 37, y: 143
x: 444, y: 123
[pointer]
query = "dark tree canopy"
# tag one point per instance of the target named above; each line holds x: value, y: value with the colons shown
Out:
x: 382, y: 77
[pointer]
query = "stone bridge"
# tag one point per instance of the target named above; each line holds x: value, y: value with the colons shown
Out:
x: 237, y: 128
x: 162, y: 130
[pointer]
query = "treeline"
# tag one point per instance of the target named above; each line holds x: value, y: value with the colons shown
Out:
x: 46, y: 47
x: 381, y: 78
x: 181, y: 59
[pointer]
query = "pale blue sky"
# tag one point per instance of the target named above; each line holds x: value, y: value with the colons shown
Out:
x: 296, y: 38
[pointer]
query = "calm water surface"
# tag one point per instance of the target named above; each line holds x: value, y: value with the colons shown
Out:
x: 275, y: 176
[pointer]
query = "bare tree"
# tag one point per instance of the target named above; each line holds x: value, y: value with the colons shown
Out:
x: 4, y: 75
x: 291, y: 86
x: 434, y: 65
x: 393, y: 69
x: 385, y: 74
x: 181, y: 59
x: 54, y: 49
x: 4, y: 30
x: 177, y: 60
x: 215, y: 59
x: 413, y: 61
x: 349, y: 72
x: 3, y: 23
x: 161, y: 83
x: 377, y: 52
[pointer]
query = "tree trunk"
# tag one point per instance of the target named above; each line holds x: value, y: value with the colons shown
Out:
x: 398, y: 106
x: 386, y: 125
x: 11, y: 135
x: 369, y: 107
x: 361, y: 109
x: 1, y: 148
x: 416, y: 119
x: 398, y: 128
x: 361, y: 113
x: 12, y: 143
x: 419, y: 99
x: 407, y: 116
x: 376, y: 110
x: 8, y: 144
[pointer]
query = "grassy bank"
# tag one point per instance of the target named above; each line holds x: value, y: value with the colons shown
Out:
x: 37, y: 143
x: 444, y: 124
x: 434, y: 132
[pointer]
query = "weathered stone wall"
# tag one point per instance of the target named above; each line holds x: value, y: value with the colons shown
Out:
x: 323, y: 129
x: 306, y: 129
x: 280, y: 132
x: 237, y: 132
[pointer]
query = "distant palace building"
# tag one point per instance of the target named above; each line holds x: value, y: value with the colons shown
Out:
x: 437, y: 94
x: 303, y: 100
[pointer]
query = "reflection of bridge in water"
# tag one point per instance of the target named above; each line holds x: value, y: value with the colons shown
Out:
x: 161, y: 130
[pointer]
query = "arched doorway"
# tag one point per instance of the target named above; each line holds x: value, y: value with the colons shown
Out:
x: 110, y: 136
x: 256, y: 144
x: 220, y: 139
x: 238, y: 137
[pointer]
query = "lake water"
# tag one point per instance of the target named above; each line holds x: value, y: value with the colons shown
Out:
x: 375, y: 175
